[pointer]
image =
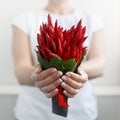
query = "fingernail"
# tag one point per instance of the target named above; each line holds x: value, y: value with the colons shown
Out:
x: 53, y: 70
x: 63, y: 84
x: 65, y: 92
x: 64, y: 78
x: 59, y: 81
x: 59, y: 74
x: 37, y: 70
x: 68, y: 74
x: 56, y: 90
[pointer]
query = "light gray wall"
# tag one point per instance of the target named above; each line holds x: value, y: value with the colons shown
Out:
x: 7, y: 103
x: 109, y: 107
x: 102, y: 8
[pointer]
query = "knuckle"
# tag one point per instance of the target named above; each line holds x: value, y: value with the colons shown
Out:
x: 71, y: 96
x: 85, y: 77
x: 36, y: 84
x: 32, y: 76
x: 47, y: 95
x: 79, y: 80
x: 76, y: 91
x: 56, y: 75
x: 48, y: 88
x: 68, y: 94
x: 50, y: 95
x: 53, y: 76
x: 51, y: 70
x: 53, y: 86
x: 42, y: 89
x: 80, y: 85
x: 57, y: 82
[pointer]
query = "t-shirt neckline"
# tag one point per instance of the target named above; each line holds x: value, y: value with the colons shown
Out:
x: 60, y: 15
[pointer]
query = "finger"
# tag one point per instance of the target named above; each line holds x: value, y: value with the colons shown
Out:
x: 50, y: 79
x: 43, y: 74
x: 74, y: 84
x: 38, y: 69
x: 69, y: 89
x: 67, y: 94
x: 46, y: 73
x: 83, y: 74
x: 51, y: 87
x: 52, y: 93
x: 75, y: 77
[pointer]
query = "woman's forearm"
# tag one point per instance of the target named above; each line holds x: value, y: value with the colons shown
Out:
x: 93, y: 67
x: 23, y: 74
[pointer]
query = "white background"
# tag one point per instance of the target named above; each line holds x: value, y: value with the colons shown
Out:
x: 107, y: 10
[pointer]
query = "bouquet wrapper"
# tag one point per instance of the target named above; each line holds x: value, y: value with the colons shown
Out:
x: 57, y: 109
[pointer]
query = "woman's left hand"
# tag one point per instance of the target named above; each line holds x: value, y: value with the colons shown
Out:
x: 72, y: 82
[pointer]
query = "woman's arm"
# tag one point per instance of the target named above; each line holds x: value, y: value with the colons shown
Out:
x: 47, y: 81
x: 22, y: 57
x: 96, y: 57
x: 92, y: 68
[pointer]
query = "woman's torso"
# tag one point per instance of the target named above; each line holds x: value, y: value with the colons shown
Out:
x: 33, y: 104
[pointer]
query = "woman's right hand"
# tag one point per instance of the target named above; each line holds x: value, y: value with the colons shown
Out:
x: 47, y: 81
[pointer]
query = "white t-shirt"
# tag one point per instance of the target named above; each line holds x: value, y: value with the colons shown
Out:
x: 32, y: 104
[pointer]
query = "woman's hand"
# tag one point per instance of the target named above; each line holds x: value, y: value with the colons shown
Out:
x: 47, y: 81
x: 72, y: 82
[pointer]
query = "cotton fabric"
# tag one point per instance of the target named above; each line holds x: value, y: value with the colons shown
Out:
x: 32, y: 104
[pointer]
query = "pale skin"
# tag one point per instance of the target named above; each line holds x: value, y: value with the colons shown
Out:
x: 48, y: 80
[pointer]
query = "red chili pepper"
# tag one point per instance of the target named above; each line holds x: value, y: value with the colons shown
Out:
x: 59, y: 47
x: 50, y: 54
x: 49, y: 20
x: 48, y: 41
x: 77, y: 55
x: 66, y: 53
x: 60, y: 35
x: 56, y: 24
x: 53, y: 46
x: 84, y: 30
x: 72, y: 32
x: 45, y: 27
x: 51, y: 31
x: 44, y: 54
x: 38, y: 39
x: 64, y: 45
x: 79, y: 26
x: 73, y: 52
x: 60, y: 98
x: 41, y: 28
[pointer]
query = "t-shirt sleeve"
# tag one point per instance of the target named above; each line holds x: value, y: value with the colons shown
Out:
x: 96, y: 23
x: 21, y: 22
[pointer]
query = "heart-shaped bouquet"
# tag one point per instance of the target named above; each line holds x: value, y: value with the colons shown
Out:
x: 62, y: 49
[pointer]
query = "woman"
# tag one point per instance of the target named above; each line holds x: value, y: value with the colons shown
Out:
x: 38, y: 85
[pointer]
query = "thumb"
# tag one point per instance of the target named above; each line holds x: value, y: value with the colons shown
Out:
x: 80, y: 71
x: 38, y: 69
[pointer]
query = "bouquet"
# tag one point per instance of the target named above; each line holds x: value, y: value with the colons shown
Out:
x: 62, y: 49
